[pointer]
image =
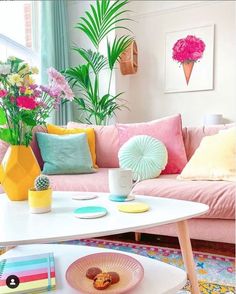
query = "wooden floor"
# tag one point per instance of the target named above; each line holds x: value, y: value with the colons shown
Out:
x: 172, y: 242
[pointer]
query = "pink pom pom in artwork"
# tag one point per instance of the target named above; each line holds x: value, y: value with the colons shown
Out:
x: 188, y: 49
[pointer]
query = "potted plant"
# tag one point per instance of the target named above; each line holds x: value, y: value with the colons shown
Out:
x: 40, y: 197
x: 103, y: 17
x: 23, y: 105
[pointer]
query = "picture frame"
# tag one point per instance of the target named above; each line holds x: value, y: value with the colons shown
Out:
x: 189, y: 60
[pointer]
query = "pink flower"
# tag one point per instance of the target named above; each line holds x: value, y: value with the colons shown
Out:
x: 190, y: 48
x: 12, y: 99
x: 3, y: 93
x: 45, y: 89
x: 55, y: 76
x: 59, y: 81
x: 26, y: 102
x: 22, y: 89
x: 33, y: 86
x: 69, y: 95
x: 55, y: 91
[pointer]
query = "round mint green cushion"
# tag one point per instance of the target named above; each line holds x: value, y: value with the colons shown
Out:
x: 145, y: 155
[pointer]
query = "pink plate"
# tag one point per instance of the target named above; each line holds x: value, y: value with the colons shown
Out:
x: 129, y: 269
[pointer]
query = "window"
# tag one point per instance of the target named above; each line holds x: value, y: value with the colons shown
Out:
x: 18, y: 22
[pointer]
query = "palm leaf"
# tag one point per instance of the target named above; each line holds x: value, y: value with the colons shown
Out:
x: 79, y: 76
x: 101, y: 20
x: 96, y: 60
x: 117, y: 48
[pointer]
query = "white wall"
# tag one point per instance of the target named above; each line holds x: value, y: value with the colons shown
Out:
x: 77, y: 38
x: 145, y: 90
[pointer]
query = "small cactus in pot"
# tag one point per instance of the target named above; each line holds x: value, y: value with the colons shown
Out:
x: 41, y: 183
x: 40, y: 197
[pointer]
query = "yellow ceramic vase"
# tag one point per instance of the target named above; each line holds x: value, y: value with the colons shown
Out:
x: 18, y: 171
x: 40, y: 201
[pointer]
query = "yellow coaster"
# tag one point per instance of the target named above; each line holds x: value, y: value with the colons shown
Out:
x: 133, y: 207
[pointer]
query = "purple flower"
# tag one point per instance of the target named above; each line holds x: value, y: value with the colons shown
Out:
x: 55, y: 91
x: 45, y: 89
x: 37, y: 93
x: 33, y: 86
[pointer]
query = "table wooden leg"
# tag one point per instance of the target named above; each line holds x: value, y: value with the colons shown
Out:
x: 187, y: 254
x: 137, y: 236
x: 9, y: 248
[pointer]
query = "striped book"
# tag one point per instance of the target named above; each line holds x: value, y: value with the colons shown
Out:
x: 27, y: 274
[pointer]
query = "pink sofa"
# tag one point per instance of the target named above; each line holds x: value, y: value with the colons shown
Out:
x: 217, y: 225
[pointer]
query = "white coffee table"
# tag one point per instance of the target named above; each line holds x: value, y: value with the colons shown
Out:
x: 158, y: 278
x: 18, y: 226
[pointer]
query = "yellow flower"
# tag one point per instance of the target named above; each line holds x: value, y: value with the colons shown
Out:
x: 28, y: 91
x: 24, y: 70
x: 28, y: 80
x: 34, y: 70
x: 15, y: 79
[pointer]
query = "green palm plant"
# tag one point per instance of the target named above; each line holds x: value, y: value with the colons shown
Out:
x: 102, y: 18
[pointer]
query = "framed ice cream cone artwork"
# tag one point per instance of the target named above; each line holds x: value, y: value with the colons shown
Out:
x: 189, y: 60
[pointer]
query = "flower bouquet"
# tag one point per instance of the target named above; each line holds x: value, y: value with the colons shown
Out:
x: 187, y: 51
x: 23, y: 105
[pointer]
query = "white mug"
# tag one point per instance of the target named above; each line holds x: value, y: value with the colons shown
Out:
x: 120, y: 181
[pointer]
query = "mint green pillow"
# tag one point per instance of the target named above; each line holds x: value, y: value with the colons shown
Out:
x: 145, y: 155
x: 65, y: 154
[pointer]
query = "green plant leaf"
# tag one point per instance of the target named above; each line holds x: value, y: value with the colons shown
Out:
x: 115, y: 50
x: 3, y: 119
x: 79, y: 76
x: 96, y: 60
x: 5, y: 135
x: 28, y: 118
x: 101, y: 20
x: 103, y: 17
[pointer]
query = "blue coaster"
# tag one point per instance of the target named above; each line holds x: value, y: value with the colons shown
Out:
x: 117, y: 198
x: 90, y: 212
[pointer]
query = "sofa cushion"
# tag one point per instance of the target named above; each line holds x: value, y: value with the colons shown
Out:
x: 219, y: 195
x: 97, y: 182
x: 169, y: 131
x: 214, y: 159
x: 144, y: 155
x: 107, y: 143
x: 67, y: 154
x: 193, y: 136
x: 53, y: 129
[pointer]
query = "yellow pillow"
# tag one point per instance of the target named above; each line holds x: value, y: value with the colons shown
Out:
x: 214, y: 159
x: 52, y: 129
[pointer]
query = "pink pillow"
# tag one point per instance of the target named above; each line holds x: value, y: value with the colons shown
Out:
x: 107, y: 143
x: 169, y: 131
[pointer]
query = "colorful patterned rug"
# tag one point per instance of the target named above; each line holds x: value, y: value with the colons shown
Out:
x: 216, y: 273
